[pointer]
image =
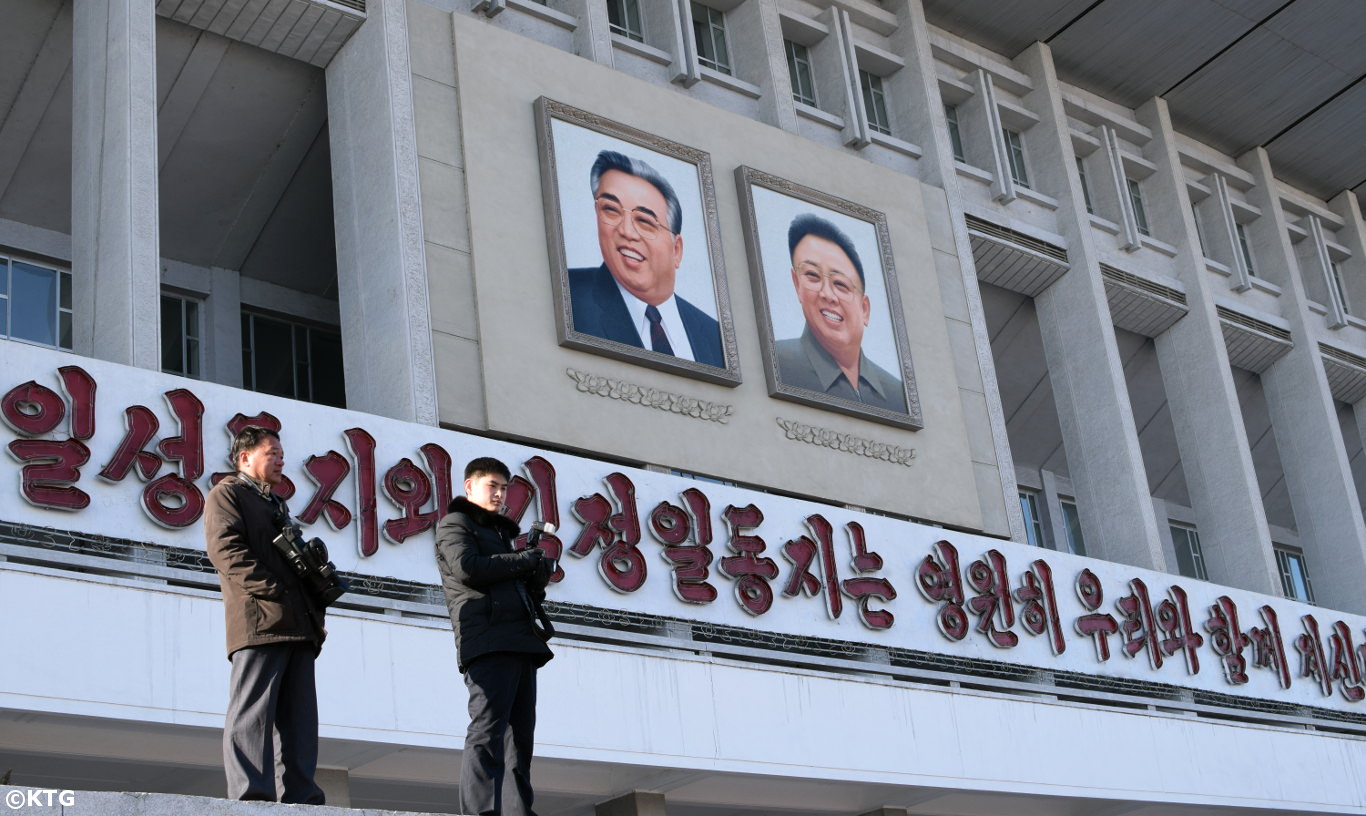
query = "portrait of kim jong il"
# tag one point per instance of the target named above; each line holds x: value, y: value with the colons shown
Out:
x: 828, y: 301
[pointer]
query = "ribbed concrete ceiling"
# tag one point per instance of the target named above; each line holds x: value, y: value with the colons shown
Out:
x: 1287, y: 75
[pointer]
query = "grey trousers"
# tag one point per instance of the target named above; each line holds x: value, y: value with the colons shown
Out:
x: 495, y: 772
x: 272, y: 695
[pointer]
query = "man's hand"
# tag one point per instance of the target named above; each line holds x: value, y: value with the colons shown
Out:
x: 530, y: 558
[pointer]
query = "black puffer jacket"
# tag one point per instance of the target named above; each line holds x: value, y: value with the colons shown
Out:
x: 481, y: 575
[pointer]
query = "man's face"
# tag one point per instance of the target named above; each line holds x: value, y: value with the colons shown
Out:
x: 487, y: 491
x: 265, y: 462
x: 638, y: 249
x: 833, y: 302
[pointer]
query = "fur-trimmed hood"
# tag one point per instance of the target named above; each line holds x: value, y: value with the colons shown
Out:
x: 483, y: 517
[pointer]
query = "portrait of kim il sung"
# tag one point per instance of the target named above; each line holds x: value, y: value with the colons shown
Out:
x: 634, y: 246
x: 828, y: 302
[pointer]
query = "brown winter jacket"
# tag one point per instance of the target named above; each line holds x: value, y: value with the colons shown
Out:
x: 262, y: 598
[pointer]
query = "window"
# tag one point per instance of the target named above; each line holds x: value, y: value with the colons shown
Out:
x: 180, y: 336
x: 1294, y: 574
x: 1245, y: 248
x: 1016, y: 157
x: 1071, y: 523
x: 1337, y: 284
x: 35, y: 303
x: 1085, y: 188
x: 623, y: 17
x: 799, y: 70
x: 1140, y: 212
x: 1029, y: 504
x: 955, y: 135
x: 1189, y: 560
x: 709, y: 31
x: 292, y: 360
x: 875, y: 102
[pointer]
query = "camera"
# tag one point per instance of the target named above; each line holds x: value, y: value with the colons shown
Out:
x: 308, y: 559
x: 533, y: 539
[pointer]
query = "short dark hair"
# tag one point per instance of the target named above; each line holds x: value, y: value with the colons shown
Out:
x: 811, y: 224
x: 487, y: 466
x: 249, y: 438
x: 612, y: 160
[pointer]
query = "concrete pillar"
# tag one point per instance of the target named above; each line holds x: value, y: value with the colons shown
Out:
x: 993, y: 465
x: 378, y: 205
x: 1087, y: 375
x: 1308, y: 435
x: 336, y: 785
x: 116, y: 244
x: 758, y: 22
x: 635, y: 803
x: 1215, y: 455
x: 223, y: 328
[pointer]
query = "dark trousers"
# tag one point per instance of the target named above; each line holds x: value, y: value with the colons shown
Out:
x: 495, y: 774
x: 272, y: 696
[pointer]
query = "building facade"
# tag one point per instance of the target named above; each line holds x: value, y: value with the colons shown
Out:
x: 1090, y: 541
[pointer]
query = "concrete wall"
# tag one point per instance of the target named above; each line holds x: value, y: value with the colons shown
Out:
x: 518, y: 382
x: 152, y: 655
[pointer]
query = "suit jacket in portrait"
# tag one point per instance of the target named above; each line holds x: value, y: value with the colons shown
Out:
x: 804, y: 363
x: 599, y: 310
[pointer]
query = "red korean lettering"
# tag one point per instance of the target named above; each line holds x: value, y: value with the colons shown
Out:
x: 520, y: 491
x: 804, y: 552
x: 863, y: 588
x: 1139, y: 626
x: 327, y: 472
x: 1313, y: 660
x: 1343, y: 663
x: 1039, y: 605
x: 750, y: 569
x: 32, y: 409
x: 51, y: 471
x: 51, y: 466
x: 140, y: 427
x: 80, y: 389
x: 992, y: 603
x: 674, y: 526
x: 1268, y: 646
x: 1227, y: 640
x: 940, y: 581
x: 362, y: 446
x: 1174, y: 621
x: 614, y: 525
x: 173, y: 500
x: 1095, y: 624
x: 409, y: 487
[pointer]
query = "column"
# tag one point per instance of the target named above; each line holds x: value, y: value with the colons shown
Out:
x: 378, y: 206
x: 1210, y: 435
x: 1084, y: 368
x: 1308, y: 436
x: 115, y: 238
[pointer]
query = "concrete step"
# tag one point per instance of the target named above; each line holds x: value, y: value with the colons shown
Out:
x: 35, y: 801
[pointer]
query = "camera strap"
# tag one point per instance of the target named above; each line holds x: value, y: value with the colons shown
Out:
x: 540, y: 621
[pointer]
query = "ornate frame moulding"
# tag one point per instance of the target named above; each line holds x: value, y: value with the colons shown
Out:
x: 648, y: 397
x: 846, y: 443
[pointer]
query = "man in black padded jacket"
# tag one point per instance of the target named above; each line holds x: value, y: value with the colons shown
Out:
x: 491, y: 592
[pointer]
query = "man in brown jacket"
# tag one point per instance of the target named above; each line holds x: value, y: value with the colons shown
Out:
x: 274, y: 627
